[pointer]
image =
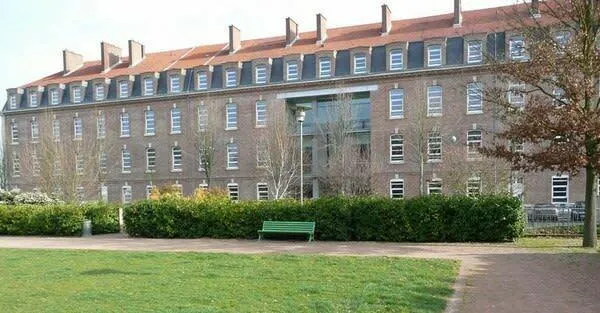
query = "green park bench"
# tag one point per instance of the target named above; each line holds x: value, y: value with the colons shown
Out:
x: 278, y: 227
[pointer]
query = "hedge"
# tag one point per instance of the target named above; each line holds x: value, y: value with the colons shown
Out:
x: 424, y: 219
x: 57, y: 219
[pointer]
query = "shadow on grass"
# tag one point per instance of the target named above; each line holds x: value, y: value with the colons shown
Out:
x: 110, y: 271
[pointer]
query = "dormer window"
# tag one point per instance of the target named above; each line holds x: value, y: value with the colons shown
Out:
x: 396, y: 60
x: 434, y: 56
x: 77, y: 94
x: 175, y: 83
x: 260, y: 74
x: 123, y: 89
x: 325, y: 67
x: 292, y: 70
x: 33, y: 99
x: 148, y: 86
x: 202, y: 80
x: 12, y: 101
x: 360, y: 63
x: 99, y: 89
x: 231, y: 78
x: 54, y: 96
x: 474, y: 52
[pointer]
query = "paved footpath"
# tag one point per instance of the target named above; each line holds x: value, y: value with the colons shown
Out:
x: 493, y: 278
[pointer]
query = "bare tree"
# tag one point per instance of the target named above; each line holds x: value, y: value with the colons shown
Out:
x: 207, y: 137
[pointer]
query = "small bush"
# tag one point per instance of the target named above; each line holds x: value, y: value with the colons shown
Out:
x: 104, y: 217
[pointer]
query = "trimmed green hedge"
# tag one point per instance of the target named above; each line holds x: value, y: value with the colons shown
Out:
x: 425, y: 219
x: 57, y: 219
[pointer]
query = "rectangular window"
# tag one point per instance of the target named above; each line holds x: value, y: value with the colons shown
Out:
x: 100, y: 127
x: 260, y: 74
x: 474, y: 52
x: 202, y: 80
x: 77, y: 128
x: 562, y: 39
x: 150, y: 160
x: 434, y: 147
x: 560, y: 189
x: 516, y: 146
x: 262, y: 191
x: 175, y: 121
x: 123, y: 89
x: 261, y: 114
x: 397, y: 188
x: 434, y: 56
x: 79, y: 164
x: 234, y: 192
x: 125, y: 161
x: 126, y: 194
x: 149, y: 189
x: 175, y: 82
x: 396, y: 103
x: 104, y: 193
x: 231, y: 78
x: 77, y: 94
x: 474, y: 98
x: 292, y: 70
x: 396, y: 60
x: 99, y: 92
x: 231, y: 116
x: 12, y: 101
x: 203, y: 187
x: 517, y: 49
x: 125, y: 129
x: 176, y: 159
x: 33, y: 99
x: 16, y: 165
x: 148, y: 86
x: 261, y: 154
x: 35, y: 130
x: 54, y: 96
x: 202, y: 117
x: 474, y: 186
x: 36, y: 163
x: 232, y: 156
x: 474, y: 142
x: 434, y: 187
x: 559, y: 98
x: 202, y: 159
x: 149, y: 123
x: 56, y: 130
x: 360, y: 64
x: 516, y: 96
x: 14, y: 132
x: 396, y: 148
x: 80, y: 193
x: 434, y: 101
x: 103, y: 162
x: 324, y: 67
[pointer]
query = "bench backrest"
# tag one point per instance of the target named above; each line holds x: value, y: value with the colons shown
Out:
x: 289, y: 226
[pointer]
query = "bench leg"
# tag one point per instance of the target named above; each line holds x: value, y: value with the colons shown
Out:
x: 259, y: 237
x: 311, y: 238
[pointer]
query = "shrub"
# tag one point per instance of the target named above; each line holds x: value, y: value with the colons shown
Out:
x: 104, y: 217
x: 424, y: 219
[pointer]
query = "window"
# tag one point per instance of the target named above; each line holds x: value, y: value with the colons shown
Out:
x: 261, y: 114
x: 126, y: 194
x: 474, y: 98
x: 324, y: 67
x: 16, y: 165
x: 234, y: 192
x: 262, y: 191
x: 150, y: 160
x: 231, y: 78
x: 14, y: 132
x: 360, y: 64
x: 56, y: 130
x: 232, y: 156
x: 397, y: 188
x: 35, y: 130
x: 260, y: 75
x: 77, y: 128
x: 54, y: 96
x: 148, y: 86
x: 77, y: 94
x: 175, y: 121
x: 33, y: 99
x: 434, y: 101
x: 516, y: 96
x: 516, y: 146
x: 560, y: 189
x: 517, y: 49
x: 202, y: 80
x: 202, y: 117
x: 231, y: 116
x: 104, y: 193
x: 149, y: 124
x: 36, y: 163
x: 149, y: 189
x: 103, y: 160
x: 474, y: 52
x: 80, y: 193
x: 99, y: 92
x: 396, y: 148
x: 12, y: 101
x: 474, y: 142
x: 125, y: 161
x: 434, y: 56
x: 396, y: 60
x: 202, y: 159
x: 292, y: 70
x: 125, y: 130
x: 559, y: 97
x: 434, y: 147
x: 123, y: 89
x: 434, y: 187
x: 176, y: 162
x: 175, y: 82
x: 474, y: 186
x: 78, y: 164
x: 261, y: 154
x: 562, y: 39
x: 397, y: 103
x: 100, y: 127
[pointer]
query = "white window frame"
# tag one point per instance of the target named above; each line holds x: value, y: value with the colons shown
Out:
x: 261, y: 154
x: 396, y: 148
x: 517, y: 42
x: 100, y: 126
x: 260, y: 74
x: 262, y: 191
x: 232, y: 156
x: 201, y: 154
x: 126, y: 194
x: 149, y: 122
x: 202, y: 117
x: 56, y: 129
x: 396, y: 188
x: 35, y: 130
x: 203, y: 186
x: 435, y: 101
x: 324, y: 67
x: 79, y: 164
x: 231, y: 116
x: 77, y: 128
x: 201, y: 80
x: 54, y: 96
x: 175, y: 83
x: 474, y: 52
x: 396, y: 106
x: 556, y: 188
x: 396, y: 59
x: 474, y: 186
x: 292, y: 70
x: 360, y: 59
x: 33, y: 99
x: 99, y: 90
x: 261, y: 113
x: 474, y: 142
x: 126, y: 162
x: 176, y: 159
x: 104, y: 192
x: 434, y: 56
x: 231, y: 78
x: 125, y: 125
x: 12, y: 101
x: 435, y: 187
x: 148, y: 86
x: 123, y: 89
x: 175, y: 121
x: 233, y: 191
x: 474, y: 98
x: 516, y: 100
x: 14, y: 133
x: 149, y: 189
x: 103, y: 162
x: 434, y: 146
x: 77, y: 93
x: 16, y: 165
x: 150, y: 160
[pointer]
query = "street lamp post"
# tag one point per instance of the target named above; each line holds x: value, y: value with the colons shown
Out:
x: 300, y: 114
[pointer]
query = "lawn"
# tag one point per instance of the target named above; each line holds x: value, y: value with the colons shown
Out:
x: 98, y: 281
x: 554, y: 244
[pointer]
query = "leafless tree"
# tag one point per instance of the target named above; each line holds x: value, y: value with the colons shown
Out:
x: 207, y: 136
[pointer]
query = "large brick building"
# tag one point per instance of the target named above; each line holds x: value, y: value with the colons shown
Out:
x: 407, y: 78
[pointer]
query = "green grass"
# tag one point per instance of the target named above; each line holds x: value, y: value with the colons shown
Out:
x: 554, y: 244
x: 97, y: 281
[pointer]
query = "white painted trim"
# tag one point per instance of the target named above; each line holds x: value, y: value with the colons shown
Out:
x: 324, y: 92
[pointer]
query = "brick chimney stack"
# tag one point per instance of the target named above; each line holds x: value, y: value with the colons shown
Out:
x: 136, y: 52
x: 457, y: 13
x: 71, y: 61
x: 386, y: 19
x: 321, y: 28
x: 111, y: 55
x: 235, y: 39
x: 291, y: 32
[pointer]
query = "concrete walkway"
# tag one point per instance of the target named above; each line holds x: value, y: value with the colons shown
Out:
x: 493, y: 278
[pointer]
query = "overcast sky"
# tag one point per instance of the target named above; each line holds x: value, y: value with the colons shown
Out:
x: 35, y: 32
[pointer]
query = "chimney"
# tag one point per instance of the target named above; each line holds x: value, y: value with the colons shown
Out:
x: 111, y: 55
x: 321, y: 28
x: 535, y: 9
x: 457, y: 13
x: 291, y: 32
x: 71, y: 61
x: 136, y: 53
x: 235, y: 39
x: 386, y: 19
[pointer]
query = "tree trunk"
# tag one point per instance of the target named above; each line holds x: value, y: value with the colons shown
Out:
x: 590, y: 238
x: 422, y: 175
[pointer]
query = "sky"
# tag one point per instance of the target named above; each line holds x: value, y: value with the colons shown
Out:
x: 34, y: 33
